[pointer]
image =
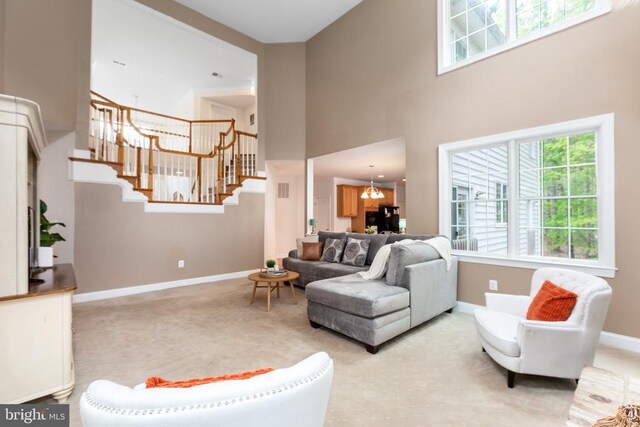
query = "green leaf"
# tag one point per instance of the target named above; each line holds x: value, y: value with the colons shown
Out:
x: 48, y: 239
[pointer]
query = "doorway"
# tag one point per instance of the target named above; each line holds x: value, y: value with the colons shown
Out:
x: 322, y: 213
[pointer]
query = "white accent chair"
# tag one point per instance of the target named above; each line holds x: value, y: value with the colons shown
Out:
x: 554, y: 349
x: 295, y: 396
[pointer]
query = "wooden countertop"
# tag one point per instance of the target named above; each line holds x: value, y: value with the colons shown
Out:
x: 60, y: 278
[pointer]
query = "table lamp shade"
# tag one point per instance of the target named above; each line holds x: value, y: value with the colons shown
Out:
x: 313, y: 222
x: 402, y: 223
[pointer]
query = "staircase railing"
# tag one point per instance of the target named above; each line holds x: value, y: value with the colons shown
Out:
x: 170, y: 159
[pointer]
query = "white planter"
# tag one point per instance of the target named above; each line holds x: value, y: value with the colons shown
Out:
x: 45, y: 257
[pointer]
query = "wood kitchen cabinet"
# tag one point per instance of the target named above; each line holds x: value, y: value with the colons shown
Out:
x: 347, y: 201
x: 375, y: 203
x: 389, y: 197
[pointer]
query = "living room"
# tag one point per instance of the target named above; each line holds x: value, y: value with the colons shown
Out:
x: 337, y: 78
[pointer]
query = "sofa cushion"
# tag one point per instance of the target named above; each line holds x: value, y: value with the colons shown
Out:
x: 324, y: 235
x: 300, y: 240
x: 333, y: 249
x: 392, y: 238
x: 311, y: 251
x: 351, y: 294
x: 329, y: 270
x: 404, y: 255
x: 355, y: 252
x: 303, y: 267
x: 552, y: 303
x: 499, y: 330
x: 376, y: 242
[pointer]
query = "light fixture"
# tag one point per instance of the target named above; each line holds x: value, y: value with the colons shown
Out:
x: 380, y: 176
x: 404, y: 179
x: 372, y: 192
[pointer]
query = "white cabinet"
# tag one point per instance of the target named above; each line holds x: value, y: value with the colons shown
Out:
x: 37, y: 343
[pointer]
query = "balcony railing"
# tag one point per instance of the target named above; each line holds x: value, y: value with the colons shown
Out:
x: 170, y: 159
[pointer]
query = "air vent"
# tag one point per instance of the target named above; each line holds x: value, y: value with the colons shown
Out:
x: 283, y: 190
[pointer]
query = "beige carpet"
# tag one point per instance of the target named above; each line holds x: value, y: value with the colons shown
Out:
x: 435, y: 375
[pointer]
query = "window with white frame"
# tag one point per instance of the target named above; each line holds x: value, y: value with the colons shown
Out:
x: 533, y: 197
x: 474, y: 29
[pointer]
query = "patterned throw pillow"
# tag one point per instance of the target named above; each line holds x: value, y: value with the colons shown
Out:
x: 333, y: 250
x: 355, y: 252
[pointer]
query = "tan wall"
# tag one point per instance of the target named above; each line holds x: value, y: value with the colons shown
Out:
x: 285, y: 73
x: 41, y: 56
x: 372, y: 76
x: 2, y: 41
x: 118, y: 245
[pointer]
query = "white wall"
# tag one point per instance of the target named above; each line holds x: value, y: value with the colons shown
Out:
x: 246, y: 126
x: 284, y: 218
x: 323, y: 187
x: 58, y: 192
x: 401, y: 200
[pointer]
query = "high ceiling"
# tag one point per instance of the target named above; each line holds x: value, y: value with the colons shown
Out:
x: 158, y: 72
x: 388, y: 158
x: 274, y: 21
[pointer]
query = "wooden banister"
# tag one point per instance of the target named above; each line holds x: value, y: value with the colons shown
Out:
x: 181, y: 161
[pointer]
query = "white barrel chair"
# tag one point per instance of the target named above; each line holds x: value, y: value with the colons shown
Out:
x: 295, y: 396
x: 554, y: 349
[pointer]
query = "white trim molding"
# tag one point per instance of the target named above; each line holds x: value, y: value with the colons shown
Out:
x: 622, y: 342
x: 96, y: 173
x: 23, y: 113
x: 141, y: 289
x: 445, y: 63
x: 603, y: 127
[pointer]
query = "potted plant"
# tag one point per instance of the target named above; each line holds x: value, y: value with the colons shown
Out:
x: 47, y: 238
x: 271, y: 264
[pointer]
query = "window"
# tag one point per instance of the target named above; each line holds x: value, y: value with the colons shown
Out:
x: 471, y: 30
x: 534, y: 197
x: 501, y: 203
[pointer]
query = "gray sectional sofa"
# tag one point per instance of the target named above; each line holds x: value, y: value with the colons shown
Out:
x: 417, y: 287
x: 310, y: 271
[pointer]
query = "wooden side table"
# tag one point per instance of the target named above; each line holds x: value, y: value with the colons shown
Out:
x: 272, y: 283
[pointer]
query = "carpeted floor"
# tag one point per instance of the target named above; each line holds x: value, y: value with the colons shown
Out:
x: 434, y: 375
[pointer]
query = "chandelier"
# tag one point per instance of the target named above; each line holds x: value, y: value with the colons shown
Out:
x: 372, y: 192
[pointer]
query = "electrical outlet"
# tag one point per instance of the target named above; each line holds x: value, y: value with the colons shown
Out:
x: 180, y: 263
x: 493, y: 285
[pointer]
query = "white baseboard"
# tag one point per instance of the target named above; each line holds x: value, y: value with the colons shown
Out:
x: 610, y: 339
x: 622, y: 342
x: 141, y: 289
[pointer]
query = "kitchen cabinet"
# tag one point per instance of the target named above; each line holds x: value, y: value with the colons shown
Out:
x: 347, y: 201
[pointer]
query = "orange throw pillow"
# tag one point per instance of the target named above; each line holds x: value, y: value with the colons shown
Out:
x: 311, y: 251
x: 552, y: 303
x: 157, y: 382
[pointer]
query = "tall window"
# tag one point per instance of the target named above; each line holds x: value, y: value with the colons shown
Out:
x: 474, y: 29
x: 554, y: 182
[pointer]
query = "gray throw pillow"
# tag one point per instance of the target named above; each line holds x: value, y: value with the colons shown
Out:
x: 333, y: 250
x: 355, y: 252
